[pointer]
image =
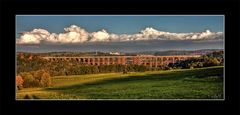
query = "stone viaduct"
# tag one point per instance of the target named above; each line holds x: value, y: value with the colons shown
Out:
x: 150, y: 61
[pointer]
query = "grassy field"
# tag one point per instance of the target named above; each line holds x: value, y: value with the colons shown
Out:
x: 202, y: 83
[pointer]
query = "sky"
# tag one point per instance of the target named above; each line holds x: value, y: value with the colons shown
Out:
x: 79, y: 29
x: 121, y: 24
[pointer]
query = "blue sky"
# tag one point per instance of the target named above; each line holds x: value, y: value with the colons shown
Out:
x: 121, y: 24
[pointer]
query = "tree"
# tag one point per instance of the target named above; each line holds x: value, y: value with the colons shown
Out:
x: 211, y: 62
x: 42, y: 77
x: 45, y: 79
x: 94, y: 69
x: 125, y: 70
x: 29, y: 80
x: 19, y: 82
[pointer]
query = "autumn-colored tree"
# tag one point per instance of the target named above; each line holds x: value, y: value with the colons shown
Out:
x: 45, y: 80
x: 19, y: 82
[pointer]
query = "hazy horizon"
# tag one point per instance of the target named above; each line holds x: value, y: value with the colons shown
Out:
x: 137, y: 46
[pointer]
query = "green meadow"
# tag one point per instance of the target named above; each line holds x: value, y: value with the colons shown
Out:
x: 197, y: 83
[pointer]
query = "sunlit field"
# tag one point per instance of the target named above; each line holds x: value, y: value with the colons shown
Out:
x: 198, y: 83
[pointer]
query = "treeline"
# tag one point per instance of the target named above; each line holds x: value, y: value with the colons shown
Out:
x: 211, y: 59
x: 93, y: 69
x: 72, y: 67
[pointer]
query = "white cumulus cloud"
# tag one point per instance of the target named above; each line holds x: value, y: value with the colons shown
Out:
x: 102, y: 35
x: 76, y: 34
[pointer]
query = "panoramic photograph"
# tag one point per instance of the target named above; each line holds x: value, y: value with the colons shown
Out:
x: 119, y: 57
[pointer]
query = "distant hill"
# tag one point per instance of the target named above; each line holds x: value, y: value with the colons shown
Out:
x: 177, y: 52
x: 156, y: 53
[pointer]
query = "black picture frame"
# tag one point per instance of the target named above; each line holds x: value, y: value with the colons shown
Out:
x: 229, y: 8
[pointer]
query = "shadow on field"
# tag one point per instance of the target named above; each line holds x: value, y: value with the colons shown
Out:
x: 175, y: 75
x: 31, y: 97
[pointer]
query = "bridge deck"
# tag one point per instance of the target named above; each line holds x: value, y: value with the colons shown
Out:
x: 171, y: 56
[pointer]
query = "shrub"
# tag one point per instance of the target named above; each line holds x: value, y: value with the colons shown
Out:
x: 19, y: 82
x: 139, y: 68
x: 199, y: 64
x: 164, y: 67
x: 27, y: 97
x: 94, y: 69
x: 191, y: 67
x: 125, y: 70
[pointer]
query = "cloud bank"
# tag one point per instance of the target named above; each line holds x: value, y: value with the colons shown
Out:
x: 76, y: 34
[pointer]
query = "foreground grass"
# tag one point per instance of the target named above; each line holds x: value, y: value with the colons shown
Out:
x: 202, y: 83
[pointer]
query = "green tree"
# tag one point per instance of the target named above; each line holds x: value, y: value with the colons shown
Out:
x: 212, y: 62
x: 28, y: 78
